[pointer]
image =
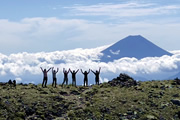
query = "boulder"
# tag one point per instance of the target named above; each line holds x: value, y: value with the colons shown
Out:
x: 176, y: 101
x: 123, y: 80
x: 177, y: 81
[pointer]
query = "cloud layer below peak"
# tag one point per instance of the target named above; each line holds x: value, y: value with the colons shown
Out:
x: 22, y: 64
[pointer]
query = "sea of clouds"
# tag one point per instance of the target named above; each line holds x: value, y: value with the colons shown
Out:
x: 25, y: 67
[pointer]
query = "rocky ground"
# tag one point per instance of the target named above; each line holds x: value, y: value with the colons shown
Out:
x: 120, y: 99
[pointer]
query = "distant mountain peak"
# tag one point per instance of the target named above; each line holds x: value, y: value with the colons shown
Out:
x: 132, y: 46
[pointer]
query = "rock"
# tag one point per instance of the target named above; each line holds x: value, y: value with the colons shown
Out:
x: 123, y: 80
x: 74, y: 92
x: 163, y: 105
x: 151, y: 117
x: 176, y: 102
x: 155, y: 86
x: 161, y: 93
x: 58, y: 99
x: 57, y: 113
x: 162, y: 87
x: 123, y: 101
x: 175, y: 95
x: 105, y: 110
x: 43, y: 92
x: 177, y: 81
x: 63, y: 93
x: 29, y: 111
x: 130, y: 112
x: 178, y: 114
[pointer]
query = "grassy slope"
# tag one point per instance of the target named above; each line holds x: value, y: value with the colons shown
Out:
x: 149, y: 100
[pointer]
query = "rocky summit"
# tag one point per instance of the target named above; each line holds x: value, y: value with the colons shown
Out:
x: 123, y: 80
x: 120, y: 99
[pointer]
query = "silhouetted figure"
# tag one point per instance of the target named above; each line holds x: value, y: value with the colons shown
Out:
x: 96, y: 76
x: 65, y: 76
x: 10, y: 82
x: 85, y: 77
x: 44, y: 83
x: 73, y: 77
x: 54, y: 76
x: 14, y: 83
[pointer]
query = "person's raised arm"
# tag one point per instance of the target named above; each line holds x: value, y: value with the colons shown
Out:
x: 57, y: 70
x: 99, y: 69
x: 77, y: 70
x: 88, y: 71
x: 52, y: 69
x: 48, y: 69
x: 70, y: 70
x: 82, y: 71
x: 63, y: 70
x: 92, y: 71
x: 41, y: 69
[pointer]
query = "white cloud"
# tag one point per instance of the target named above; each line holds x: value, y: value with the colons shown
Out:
x: 18, y: 80
x: 130, y: 9
x: 115, y: 52
x: 51, y: 34
x: 22, y: 64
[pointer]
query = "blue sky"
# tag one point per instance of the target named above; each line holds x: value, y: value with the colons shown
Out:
x: 51, y: 25
x: 46, y: 33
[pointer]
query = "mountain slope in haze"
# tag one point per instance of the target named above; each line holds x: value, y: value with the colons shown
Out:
x: 132, y: 46
x: 174, y: 76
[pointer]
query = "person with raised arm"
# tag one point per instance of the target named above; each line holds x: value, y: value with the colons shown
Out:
x: 54, y: 76
x: 45, y: 78
x: 65, y: 76
x: 97, y: 75
x: 74, y: 77
x: 85, y: 77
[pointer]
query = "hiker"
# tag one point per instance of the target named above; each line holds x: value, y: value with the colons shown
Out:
x: 10, y: 82
x: 14, y: 83
x: 74, y: 77
x: 97, y: 75
x: 85, y: 77
x: 54, y: 76
x: 65, y: 76
x: 44, y: 83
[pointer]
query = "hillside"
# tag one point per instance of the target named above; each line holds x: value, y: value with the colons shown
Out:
x: 147, y: 100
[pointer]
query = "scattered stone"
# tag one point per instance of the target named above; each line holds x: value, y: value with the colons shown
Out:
x: 43, y: 92
x: 163, y: 87
x: 175, y: 95
x: 29, y: 111
x: 2, y: 83
x: 177, y: 81
x: 155, y: 86
x: 75, y: 92
x: 178, y: 114
x: 163, y: 105
x: 161, y: 93
x: 138, y: 88
x: 105, y: 110
x: 63, y: 93
x: 151, y: 117
x: 123, y: 101
x: 176, y: 102
x: 57, y: 98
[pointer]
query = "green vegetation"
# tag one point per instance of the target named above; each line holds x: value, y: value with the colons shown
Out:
x: 148, y: 100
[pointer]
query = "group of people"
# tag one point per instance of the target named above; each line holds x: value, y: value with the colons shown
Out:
x: 85, y: 73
